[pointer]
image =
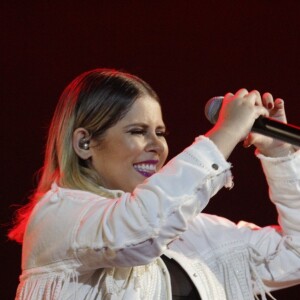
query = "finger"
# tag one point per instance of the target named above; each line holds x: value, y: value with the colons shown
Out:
x: 279, y: 111
x: 261, y: 111
x: 268, y: 101
x: 279, y: 103
x: 248, y: 141
x: 228, y: 96
x: 241, y: 93
x: 254, y: 96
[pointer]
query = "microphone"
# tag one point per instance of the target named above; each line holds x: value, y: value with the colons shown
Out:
x: 265, y: 126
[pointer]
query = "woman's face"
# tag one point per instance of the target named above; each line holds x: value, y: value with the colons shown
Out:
x: 133, y: 149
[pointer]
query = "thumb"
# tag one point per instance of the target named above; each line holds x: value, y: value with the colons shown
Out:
x: 249, y: 140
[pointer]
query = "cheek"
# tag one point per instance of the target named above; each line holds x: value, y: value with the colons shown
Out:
x: 132, y: 147
x: 166, y: 150
x: 120, y: 152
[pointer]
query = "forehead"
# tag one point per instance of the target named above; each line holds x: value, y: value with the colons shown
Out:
x: 145, y: 109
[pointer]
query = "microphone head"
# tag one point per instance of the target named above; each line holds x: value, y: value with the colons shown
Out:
x: 212, y: 109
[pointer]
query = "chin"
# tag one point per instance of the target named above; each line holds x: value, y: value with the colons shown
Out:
x: 132, y: 187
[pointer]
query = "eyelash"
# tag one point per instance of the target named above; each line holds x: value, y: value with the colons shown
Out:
x: 143, y: 132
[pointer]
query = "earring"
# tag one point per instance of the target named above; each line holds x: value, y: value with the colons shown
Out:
x: 84, y: 144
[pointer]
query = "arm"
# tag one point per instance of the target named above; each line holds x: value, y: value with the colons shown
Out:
x: 280, y: 246
x: 135, y: 228
x: 277, y: 249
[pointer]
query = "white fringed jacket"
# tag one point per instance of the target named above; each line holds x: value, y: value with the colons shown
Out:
x: 79, y: 245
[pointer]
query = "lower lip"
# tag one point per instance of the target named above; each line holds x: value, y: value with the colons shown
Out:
x: 145, y: 174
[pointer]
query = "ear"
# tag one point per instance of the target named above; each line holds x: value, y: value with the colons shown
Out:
x: 80, y: 135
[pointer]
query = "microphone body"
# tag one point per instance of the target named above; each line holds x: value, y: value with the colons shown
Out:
x: 265, y: 126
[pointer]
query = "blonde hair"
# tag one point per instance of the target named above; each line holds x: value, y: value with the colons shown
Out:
x: 95, y: 100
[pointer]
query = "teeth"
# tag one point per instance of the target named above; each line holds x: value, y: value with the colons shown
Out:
x: 145, y: 167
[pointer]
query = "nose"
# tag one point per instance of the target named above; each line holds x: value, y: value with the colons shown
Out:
x: 156, y: 144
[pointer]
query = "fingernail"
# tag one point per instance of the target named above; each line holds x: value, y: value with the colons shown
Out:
x: 270, y: 105
x: 279, y: 102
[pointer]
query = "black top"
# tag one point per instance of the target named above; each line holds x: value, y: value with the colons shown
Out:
x: 182, y: 286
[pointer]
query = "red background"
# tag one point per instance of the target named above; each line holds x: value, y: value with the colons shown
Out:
x: 188, y: 51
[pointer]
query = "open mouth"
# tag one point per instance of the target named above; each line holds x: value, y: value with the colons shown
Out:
x: 145, y: 169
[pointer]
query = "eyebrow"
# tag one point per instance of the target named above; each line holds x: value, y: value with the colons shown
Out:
x: 144, y: 125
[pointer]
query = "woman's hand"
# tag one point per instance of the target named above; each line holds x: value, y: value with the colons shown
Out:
x: 267, y: 145
x: 239, y: 111
x: 236, y: 118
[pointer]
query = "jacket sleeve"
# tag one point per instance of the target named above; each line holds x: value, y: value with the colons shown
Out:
x: 135, y: 228
x: 276, y: 250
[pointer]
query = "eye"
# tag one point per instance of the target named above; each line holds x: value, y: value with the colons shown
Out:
x: 137, y: 132
x: 163, y: 133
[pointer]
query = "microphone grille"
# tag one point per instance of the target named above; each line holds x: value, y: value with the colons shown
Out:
x: 212, y: 109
